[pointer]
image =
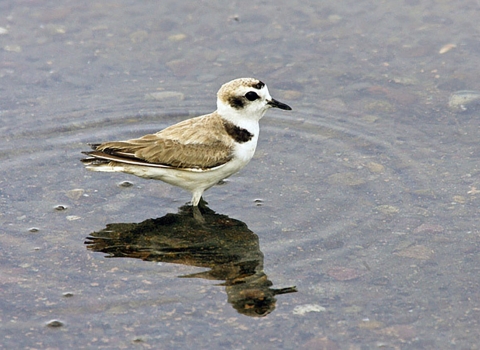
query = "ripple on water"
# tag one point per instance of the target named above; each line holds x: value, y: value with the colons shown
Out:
x: 327, y: 186
x: 308, y: 169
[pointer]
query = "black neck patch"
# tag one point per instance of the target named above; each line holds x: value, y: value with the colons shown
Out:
x: 237, y: 133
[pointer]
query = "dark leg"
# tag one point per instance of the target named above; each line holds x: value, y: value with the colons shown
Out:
x: 202, y: 203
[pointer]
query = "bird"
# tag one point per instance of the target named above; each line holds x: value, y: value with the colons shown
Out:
x: 197, y: 153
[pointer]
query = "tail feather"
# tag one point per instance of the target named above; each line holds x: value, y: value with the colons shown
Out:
x: 93, y: 161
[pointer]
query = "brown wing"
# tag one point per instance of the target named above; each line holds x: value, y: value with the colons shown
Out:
x: 194, y: 143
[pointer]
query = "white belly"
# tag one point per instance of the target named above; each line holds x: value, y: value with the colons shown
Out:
x: 192, y: 180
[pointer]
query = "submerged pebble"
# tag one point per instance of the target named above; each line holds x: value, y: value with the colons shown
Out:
x: 419, y: 252
x: 346, y: 179
x: 341, y: 273
x: 165, y: 96
x: 13, y: 48
x: 54, y: 323
x: 139, y: 36
x: 429, y: 228
x: 304, y: 309
x: 75, y: 194
x: 463, y: 100
x: 446, y: 48
x: 258, y: 202
x: 387, y: 209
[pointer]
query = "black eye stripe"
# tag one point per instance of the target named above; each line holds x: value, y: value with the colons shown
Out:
x: 251, y: 96
x: 236, y: 102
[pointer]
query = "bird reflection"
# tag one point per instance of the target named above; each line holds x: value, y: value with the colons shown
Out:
x: 226, y: 246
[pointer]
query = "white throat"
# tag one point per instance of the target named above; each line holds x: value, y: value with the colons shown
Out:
x: 241, y: 118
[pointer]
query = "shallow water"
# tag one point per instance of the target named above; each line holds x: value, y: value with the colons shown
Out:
x: 365, y: 197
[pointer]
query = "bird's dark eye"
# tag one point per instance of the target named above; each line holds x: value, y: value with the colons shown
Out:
x: 251, y: 96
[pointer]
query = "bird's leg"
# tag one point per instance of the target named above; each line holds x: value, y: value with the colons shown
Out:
x: 202, y: 203
x: 196, y: 197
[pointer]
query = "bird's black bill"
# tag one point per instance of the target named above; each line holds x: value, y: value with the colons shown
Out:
x: 277, y: 104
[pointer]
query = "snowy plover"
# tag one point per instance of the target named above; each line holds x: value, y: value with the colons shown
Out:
x: 197, y: 153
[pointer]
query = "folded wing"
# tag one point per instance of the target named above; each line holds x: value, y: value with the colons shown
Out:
x: 200, y: 143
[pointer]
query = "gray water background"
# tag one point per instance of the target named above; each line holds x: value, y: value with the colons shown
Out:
x: 365, y: 196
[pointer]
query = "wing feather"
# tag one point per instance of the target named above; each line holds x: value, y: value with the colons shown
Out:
x: 194, y: 143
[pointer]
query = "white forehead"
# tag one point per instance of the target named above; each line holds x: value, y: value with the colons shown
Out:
x: 239, y: 87
x: 242, y: 90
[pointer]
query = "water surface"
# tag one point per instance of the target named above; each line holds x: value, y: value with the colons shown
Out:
x: 365, y: 196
